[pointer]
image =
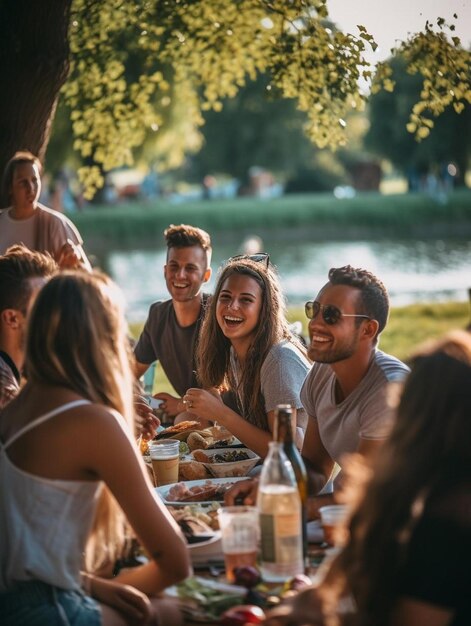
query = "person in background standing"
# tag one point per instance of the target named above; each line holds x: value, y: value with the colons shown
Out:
x: 31, y: 223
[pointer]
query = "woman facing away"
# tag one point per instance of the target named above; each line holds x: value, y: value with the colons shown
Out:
x: 407, y: 560
x: 245, y: 346
x: 29, y: 222
x: 70, y: 475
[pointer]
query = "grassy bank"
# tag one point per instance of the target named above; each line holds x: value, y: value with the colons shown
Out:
x: 407, y: 328
x: 318, y: 216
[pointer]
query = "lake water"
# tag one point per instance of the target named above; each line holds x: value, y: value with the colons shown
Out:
x: 413, y: 271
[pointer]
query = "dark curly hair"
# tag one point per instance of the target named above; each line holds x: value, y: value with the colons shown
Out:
x: 374, y: 298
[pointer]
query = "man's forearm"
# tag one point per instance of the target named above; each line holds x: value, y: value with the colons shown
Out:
x: 316, y: 478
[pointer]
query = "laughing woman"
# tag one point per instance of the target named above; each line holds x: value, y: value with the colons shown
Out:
x: 246, y: 347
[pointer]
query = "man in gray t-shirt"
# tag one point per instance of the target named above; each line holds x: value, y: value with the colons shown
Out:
x: 172, y: 327
x: 345, y: 392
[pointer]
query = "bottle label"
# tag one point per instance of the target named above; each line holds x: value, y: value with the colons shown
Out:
x: 267, y: 531
x: 281, y: 538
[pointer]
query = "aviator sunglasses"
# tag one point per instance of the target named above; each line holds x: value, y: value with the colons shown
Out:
x: 260, y: 257
x: 330, y: 313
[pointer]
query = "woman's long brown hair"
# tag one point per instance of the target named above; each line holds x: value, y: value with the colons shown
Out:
x: 78, y: 339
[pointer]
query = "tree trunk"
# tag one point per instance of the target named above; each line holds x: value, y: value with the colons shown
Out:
x: 34, y: 64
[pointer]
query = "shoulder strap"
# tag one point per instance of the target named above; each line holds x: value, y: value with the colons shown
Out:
x: 44, y: 418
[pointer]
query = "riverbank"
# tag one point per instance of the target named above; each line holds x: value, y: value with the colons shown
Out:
x: 319, y: 217
x: 407, y: 328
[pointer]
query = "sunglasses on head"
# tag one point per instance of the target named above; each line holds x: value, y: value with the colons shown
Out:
x: 260, y: 257
x: 330, y: 313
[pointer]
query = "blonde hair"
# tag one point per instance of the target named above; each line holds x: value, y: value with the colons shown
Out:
x: 78, y: 339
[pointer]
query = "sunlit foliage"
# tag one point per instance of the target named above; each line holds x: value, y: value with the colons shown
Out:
x: 445, y: 69
x: 135, y: 61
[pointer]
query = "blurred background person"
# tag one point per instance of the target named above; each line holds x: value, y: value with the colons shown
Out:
x: 33, y: 224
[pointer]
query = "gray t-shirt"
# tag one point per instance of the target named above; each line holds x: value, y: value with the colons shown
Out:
x: 362, y: 414
x: 281, y: 378
x: 164, y: 340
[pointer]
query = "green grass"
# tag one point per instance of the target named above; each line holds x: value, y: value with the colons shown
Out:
x: 318, y: 216
x: 407, y: 328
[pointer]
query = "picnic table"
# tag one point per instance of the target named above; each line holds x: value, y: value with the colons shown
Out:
x: 209, y: 566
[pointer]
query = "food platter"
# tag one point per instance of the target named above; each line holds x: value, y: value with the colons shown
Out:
x: 164, y: 490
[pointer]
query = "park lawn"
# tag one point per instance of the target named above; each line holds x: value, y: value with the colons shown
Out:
x: 407, y: 328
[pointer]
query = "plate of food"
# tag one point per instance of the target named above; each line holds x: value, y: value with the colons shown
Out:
x: 204, y: 512
x: 196, y: 437
x: 202, y: 491
x: 229, y: 462
x: 179, y: 431
x: 199, y: 523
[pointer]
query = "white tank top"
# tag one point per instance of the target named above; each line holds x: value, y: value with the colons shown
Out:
x: 44, y: 523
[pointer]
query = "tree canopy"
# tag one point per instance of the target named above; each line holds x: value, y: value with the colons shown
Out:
x: 133, y: 61
x: 447, y: 142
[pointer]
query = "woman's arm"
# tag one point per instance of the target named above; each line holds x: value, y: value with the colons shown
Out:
x: 209, y: 407
x: 127, y: 600
x: 120, y: 466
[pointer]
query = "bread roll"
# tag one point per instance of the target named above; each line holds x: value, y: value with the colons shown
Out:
x: 192, y: 470
x: 201, y: 457
x: 196, y: 441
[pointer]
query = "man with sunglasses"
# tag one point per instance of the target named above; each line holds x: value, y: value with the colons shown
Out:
x: 345, y: 393
x: 172, y: 326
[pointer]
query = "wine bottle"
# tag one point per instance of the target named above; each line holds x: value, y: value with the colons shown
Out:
x: 283, y: 433
x: 279, y: 506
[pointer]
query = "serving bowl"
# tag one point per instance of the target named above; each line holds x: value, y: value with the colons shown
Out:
x: 222, y: 462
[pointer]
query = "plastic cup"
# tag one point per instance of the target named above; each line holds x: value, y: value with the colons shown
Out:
x: 332, y: 517
x: 165, y: 461
x: 239, y: 535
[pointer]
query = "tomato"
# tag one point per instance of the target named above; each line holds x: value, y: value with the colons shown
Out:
x: 242, y: 614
